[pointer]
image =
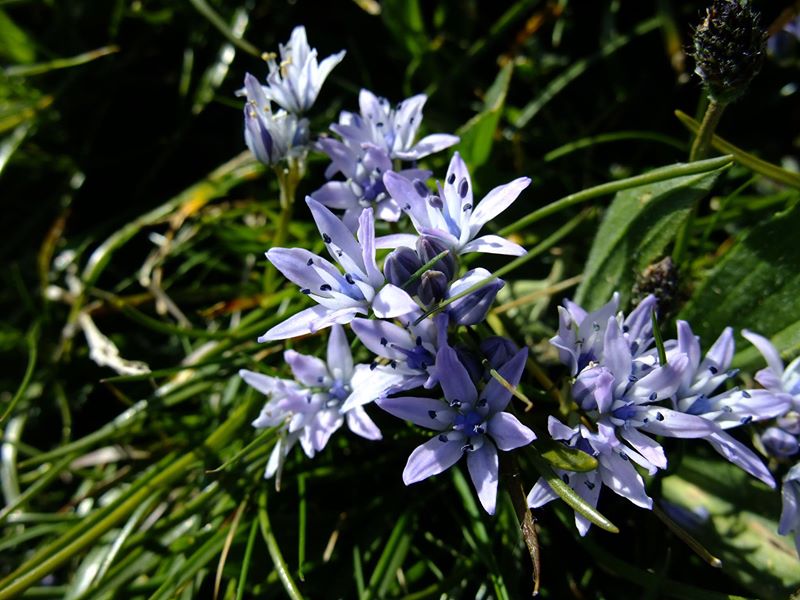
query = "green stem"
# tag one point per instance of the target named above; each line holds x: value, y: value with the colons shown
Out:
x: 288, y: 179
x: 612, y: 187
x: 274, y: 550
x: 710, y: 121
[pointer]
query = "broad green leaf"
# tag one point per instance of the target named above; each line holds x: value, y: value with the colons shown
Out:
x: 17, y: 46
x: 564, y: 457
x: 477, y: 134
x: 756, y: 285
x: 734, y: 517
x: 637, y: 228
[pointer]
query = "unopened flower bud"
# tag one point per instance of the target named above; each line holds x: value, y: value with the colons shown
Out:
x: 429, y: 248
x: 399, y: 266
x: 432, y: 287
x: 729, y: 48
x: 498, y: 350
x: 472, y: 308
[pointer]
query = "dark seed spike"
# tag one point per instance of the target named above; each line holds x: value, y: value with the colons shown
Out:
x: 451, y: 178
x: 310, y: 262
x: 384, y: 341
x: 659, y: 416
x: 326, y: 238
x: 325, y: 287
x: 432, y: 414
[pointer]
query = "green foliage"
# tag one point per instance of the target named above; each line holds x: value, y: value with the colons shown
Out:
x: 636, y: 231
x: 135, y: 224
x: 755, y: 285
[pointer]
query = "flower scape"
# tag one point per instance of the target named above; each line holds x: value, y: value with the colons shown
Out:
x: 442, y: 382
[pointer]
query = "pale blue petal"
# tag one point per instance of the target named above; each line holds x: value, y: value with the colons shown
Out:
x: 340, y: 359
x: 428, y: 145
x: 767, y: 350
x: 293, y: 263
x: 671, y: 423
x: 371, y: 383
x: 737, y: 453
x: 457, y: 385
x: 425, y: 412
x: 308, y: 370
x: 382, y: 337
x: 617, y: 352
x: 339, y: 240
x: 541, y: 494
x: 336, y: 194
x: 358, y: 422
x: 646, y: 446
x: 493, y: 244
x: 434, y: 456
x: 366, y: 237
x: 620, y: 475
x: 496, y: 394
x: 483, y: 470
x: 495, y: 202
x: 392, y: 302
x: 559, y: 431
x: 396, y: 240
x: 310, y: 320
x: 507, y: 432
x: 663, y: 381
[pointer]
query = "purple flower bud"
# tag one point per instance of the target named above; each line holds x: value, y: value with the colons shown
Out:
x: 429, y: 248
x: 399, y: 266
x: 470, y: 362
x: 498, y: 350
x: 472, y: 309
x: 778, y: 442
x: 257, y: 136
x: 432, y: 287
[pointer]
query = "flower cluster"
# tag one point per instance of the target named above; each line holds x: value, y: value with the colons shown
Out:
x: 416, y: 312
x: 407, y: 309
x: 628, y: 390
x: 780, y: 439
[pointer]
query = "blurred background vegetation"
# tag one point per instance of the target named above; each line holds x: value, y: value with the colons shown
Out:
x: 131, y: 215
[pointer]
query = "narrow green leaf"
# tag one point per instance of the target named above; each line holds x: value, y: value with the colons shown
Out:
x: 568, y: 495
x: 391, y: 559
x: 612, y: 187
x: 753, y: 163
x: 275, y: 553
x: 477, y: 134
x: 17, y: 46
x: 638, y: 226
x: 565, y: 457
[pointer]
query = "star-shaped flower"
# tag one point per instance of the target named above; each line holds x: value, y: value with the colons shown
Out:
x: 452, y: 215
x: 467, y: 422
x: 295, y: 82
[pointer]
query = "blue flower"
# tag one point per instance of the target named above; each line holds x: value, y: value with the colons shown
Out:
x: 340, y: 296
x: 294, y: 83
x: 271, y: 136
x: 392, y: 130
x: 310, y: 408
x: 363, y: 168
x: 581, y: 335
x: 452, y: 215
x: 467, y: 421
x: 614, y: 470
x: 408, y: 350
x: 782, y: 385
